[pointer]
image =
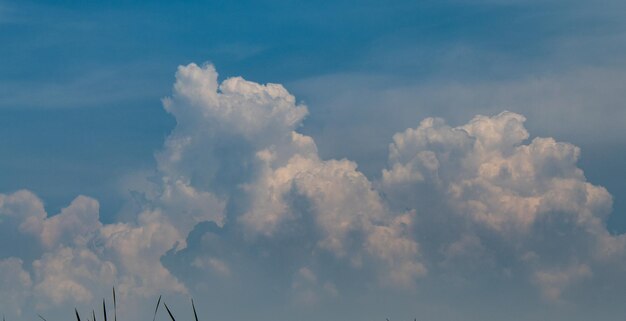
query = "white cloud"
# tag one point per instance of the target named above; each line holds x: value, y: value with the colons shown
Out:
x: 81, y: 258
x: 486, y: 172
x: 137, y: 249
x: 218, y: 266
x: 281, y: 164
x: 452, y: 198
x: 487, y: 180
x: 71, y: 275
x: 582, y: 104
x: 75, y: 225
x: 235, y: 138
x: 23, y: 206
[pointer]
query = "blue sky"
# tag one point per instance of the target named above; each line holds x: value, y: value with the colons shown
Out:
x: 81, y: 113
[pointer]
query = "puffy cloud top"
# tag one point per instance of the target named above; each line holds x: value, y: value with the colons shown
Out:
x: 488, y: 174
x: 235, y: 106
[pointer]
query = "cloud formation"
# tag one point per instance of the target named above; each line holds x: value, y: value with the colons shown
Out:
x: 79, y: 258
x: 525, y: 202
x: 273, y: 170
x: 239, y: 195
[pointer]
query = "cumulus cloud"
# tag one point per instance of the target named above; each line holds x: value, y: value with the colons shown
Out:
x: 241, y: 199
x: 275, y: 170
x: 235, y: 159
x: 70, y: 275
x: 492, y: 185
x: 137, y: 249
x: 80, y: 258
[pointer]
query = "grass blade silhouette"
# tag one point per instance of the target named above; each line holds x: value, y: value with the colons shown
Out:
x: 169, y: 312
x: 104, y: 310
x: 157, y: 308
x: 114, y: 306
x: 194, y: 310
x: 42, y: 318
x: 77, y: 316
x: 93, y: 312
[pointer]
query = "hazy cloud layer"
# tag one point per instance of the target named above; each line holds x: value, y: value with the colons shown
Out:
x: 242, y: 204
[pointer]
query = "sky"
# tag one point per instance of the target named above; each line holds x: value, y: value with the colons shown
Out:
x: 322, y: 160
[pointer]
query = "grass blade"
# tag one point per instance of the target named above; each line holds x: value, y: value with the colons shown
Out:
x: 104, y: 310
x: 77, y: 316
x: 114, y: 306
x: 93, y: 312
x: 42, y: 318
x: 157, y: 308
x: 194, y: 309
x: 169, y: 312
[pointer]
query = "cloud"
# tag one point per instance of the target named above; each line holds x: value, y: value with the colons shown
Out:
x: 580, y: 103
x: 75, y: 225
x: 80, y: 258
x: 504, y: 195
x: 241, y: 204
x: 71, y: 275
x: 235, y: 159
x: 15, y: 286
x: 277, y: 170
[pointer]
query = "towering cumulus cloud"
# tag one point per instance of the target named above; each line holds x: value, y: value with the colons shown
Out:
x: 240, y: 199
x: 236, y: 144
